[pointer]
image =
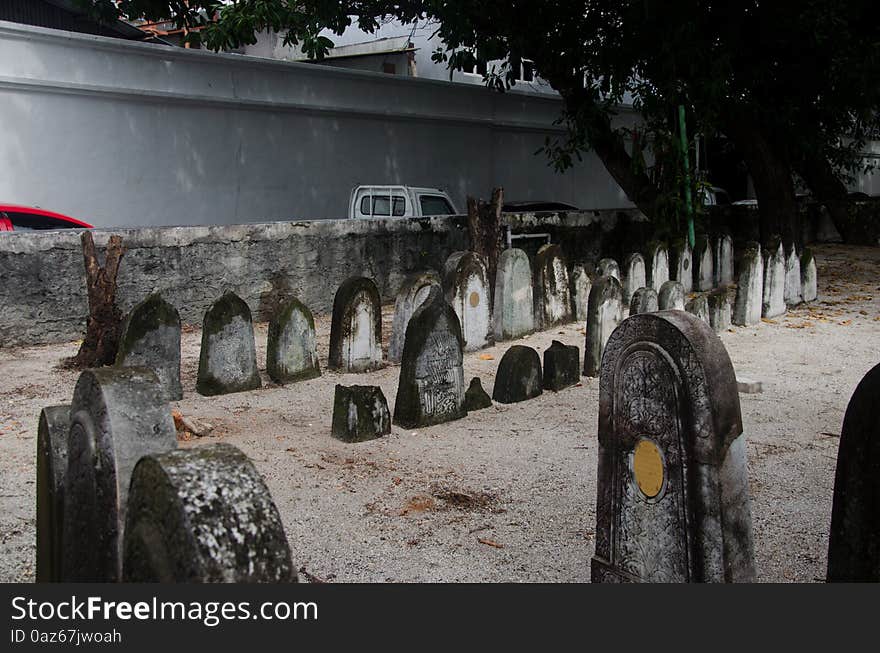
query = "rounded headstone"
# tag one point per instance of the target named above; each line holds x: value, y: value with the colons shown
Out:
x: 290, y: 347
x: 793, y: 289
x: 658, y: 259
x: 203, y: 515
x: 749, y: 287
x: 723, y: 260
x: 552, y: 293
x: 634, y: 276
x: 228, y: 358
x: 682, y: 264
x: 356, y: 327
x: 704, y: 270
x: 513, y: 314
x: 151, y: 338
x: 52, y: 431
x: 773, y: 303
x: 809, y: 281
x: 671, y: 296
x: 412, y: 294
x: 562, y: 366
x: 580, y: 292
x: 466, y: 284
x: 117, y: 416
x: 605, y: 313
x: 519, y: 375
x: 431, y: 385
x: 644, y: 300
x: 608, y: 267
x: 699, y: 307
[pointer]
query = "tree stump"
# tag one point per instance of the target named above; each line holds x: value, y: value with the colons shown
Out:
x: 484, y: 230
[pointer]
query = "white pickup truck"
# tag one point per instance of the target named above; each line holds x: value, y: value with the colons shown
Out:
x: 398, y: 202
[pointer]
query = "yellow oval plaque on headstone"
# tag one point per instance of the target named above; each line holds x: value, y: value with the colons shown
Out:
x: 475, y: 299
x: 648, y: 468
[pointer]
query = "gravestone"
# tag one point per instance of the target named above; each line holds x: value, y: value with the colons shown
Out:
x: 203, y: 515
x: 672, y: 484
x: 151, y: 338
x: 228, y: 359
x: 431, y: 386
x: 52, y: 431
x: 360, y: 413
x: 117, y: 416
x: 644, y: 300
x: 809, y: 281
x: 414, y: 291
x: 854, y: 541
x: 513, y: 316
x: 634, y: 276
x: 719, y: 310
x: 519, y: 375
x: 774, y: 280
x: 682, y: 264
x: 750, y: 287
x: 608, y: 267
x: 658, y: 272
x: 792, y: 287
x: 466, y: 283
x: 699, y: 307
x: 356, y: 327
x: 580, y: 292
x: 552, y: 293
x: 476, y: 398
x: 562, y: 366
x: 606, y: 312
x: 704, y: 271
x: 723, y: 260
x: 290, y: 347
x: 671, y: 296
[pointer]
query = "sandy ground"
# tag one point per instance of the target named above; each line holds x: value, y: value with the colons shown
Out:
x: 508, y: 493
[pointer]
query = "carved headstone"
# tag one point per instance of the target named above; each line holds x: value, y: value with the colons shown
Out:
x: 774, y: 280
x: 414, y: 291
x: 151, y: 338
x: 644, y: 300
x: 562, y: 366
x: 228, y: 359
x: 658, y: 272
x: 750, y: 287
x: 634, y: 276
x: 466, y: 283
x: 360, y: 413
x: 519, y: 375
x: 117, y: 416
x: 704, y: 270
x: 552, y: 293
x: 290, y: 347
x: 356, y: 327
x: 606, y: 312
x: 580, y: 292
x: 513, y: 316
x: 431, y: 386
x: 854, y: 542
x: 52, y: 433
x: 672, y: 484
x: 809, y: 281
x: 608, y: 267
x: 476, y: 398
x: 723, y: 260
x: 682, y: 264
x: 203, y: 515
x: 671, y: 296
x: 719, y: 310
x: 699, y: 307
x: 792, y: 287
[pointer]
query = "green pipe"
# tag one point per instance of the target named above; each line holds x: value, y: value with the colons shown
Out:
x: 688, y: 202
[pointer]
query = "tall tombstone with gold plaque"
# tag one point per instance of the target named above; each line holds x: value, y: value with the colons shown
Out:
x: 673, y: 502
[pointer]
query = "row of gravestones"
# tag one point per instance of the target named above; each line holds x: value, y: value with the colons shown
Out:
x: 117, y: 501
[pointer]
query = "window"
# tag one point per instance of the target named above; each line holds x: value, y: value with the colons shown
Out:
x: 382, y: 204
x: 435, y: 205
x: 29, y: 221
x: 526, y: 71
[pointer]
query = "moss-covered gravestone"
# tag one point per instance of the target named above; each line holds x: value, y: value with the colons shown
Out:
x: 513, y: 315
x: 793, y: 290
x: 671, y: 296
x: 723, y: 260
x: 719, y: 309
x: 608, y: 267
x: 580, y: 292
x: 704, y: 268
x: 552, y: 293
x: 519, y: 376
x: 774, y: 279
x: 809, y: 281
x: 749, y: 287
x: 52, y: 432
x: 606, y: 312
x: 151, y: 338
x: 634, y: 276
x: 117, y: 416
x: 562, y: 366
x: 356, y: 327
x: 854, y: 542
x: 360, y: 413
x: 412, y: 294
x: 672, y: 483
x: 475, y: 398
x: 203, y: 515
x: 699, y: 307
x: 657, y: 256
x: 644, y: 300
x: 431, y: 386
x: 682, y: 264
x: 228, y: 359
x: 466, y: 284
x: 290, y: 348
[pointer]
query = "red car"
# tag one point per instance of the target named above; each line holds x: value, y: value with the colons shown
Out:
x: 29, y: 218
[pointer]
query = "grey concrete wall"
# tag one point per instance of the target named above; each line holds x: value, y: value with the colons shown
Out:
x: 133, y: 134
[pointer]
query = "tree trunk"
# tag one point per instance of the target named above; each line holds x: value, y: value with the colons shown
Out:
x: 105, y: 319
x: 486, y: 233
